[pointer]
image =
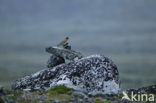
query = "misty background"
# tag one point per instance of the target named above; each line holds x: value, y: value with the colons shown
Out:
x: 123, y: 30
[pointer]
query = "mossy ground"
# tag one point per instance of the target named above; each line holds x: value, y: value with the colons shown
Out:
x: 1, y: 100
x: 61, y: 89
x: 60, y: 92
x: 100, y: 100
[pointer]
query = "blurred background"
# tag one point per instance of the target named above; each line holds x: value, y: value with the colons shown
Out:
x: 123, y: 30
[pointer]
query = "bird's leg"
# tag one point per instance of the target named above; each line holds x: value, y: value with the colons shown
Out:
x: 67, y: 46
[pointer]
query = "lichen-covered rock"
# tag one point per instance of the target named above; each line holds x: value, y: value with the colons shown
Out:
x: 143, y: 90
x: 93, y: 74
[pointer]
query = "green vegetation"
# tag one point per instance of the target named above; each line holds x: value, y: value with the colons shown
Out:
x: 60, y: 92
x: 60, y: 97
x: 61, y: 89
x: 76, y: 96
x: 30, y: 100
x: 99, y: 100
x: 1, y: 101
x: 14, y: 93
x: 10, y: 97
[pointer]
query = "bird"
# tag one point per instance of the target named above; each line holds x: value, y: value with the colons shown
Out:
x: 63, y: 42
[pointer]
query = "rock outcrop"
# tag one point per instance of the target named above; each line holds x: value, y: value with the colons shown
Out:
x: 94, y: 74
x: 143, y: 90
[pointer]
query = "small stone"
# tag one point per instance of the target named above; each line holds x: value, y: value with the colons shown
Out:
x: 54, y: 61
x: 64, y: 53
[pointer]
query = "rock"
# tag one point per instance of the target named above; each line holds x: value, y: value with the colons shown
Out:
x: 94, y: 74
x: 64, y: 53
x: 60, y: 53
x: 54, y: 61
x: 2, y: 92
x: 80, y: 94
x: 143, y: 90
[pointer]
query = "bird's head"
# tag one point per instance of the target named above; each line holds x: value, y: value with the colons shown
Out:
x: 67, y: 38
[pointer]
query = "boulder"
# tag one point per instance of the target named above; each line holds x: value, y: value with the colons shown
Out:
x: 93, y: 74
